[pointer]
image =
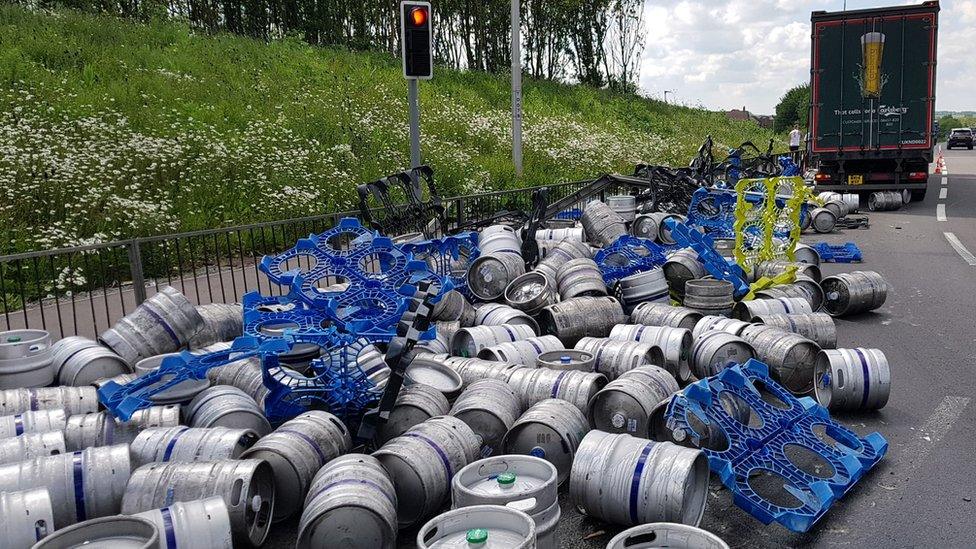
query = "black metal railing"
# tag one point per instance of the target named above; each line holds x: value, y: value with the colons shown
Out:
x: 85, y: 289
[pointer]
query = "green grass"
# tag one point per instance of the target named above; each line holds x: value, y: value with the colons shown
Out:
x: 112, y: 129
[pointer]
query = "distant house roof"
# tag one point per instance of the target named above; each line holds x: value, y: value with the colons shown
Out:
x: 739, y: 114
x: 742, y: 114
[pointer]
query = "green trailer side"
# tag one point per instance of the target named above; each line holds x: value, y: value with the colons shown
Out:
x: 872, y: 109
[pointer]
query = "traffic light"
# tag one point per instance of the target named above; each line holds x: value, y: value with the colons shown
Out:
x: 417, y: 38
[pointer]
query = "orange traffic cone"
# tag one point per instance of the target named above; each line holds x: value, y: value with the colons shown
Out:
x: 939, y: 163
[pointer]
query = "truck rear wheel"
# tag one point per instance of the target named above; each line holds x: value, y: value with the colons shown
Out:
x: 918, y: 196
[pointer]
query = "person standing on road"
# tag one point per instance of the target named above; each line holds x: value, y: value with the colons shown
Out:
x: 795, y: 136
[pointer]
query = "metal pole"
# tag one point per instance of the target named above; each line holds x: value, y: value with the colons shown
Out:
x: 414, y: 102
x: 516, y: 89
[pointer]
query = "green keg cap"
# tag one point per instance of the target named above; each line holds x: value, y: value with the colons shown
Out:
x: 477, y: 535
x: 506, y: 478
x: 13, y: 339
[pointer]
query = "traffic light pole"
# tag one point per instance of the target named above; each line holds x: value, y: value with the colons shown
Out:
x: 516, y: 89
x: 413, y: 101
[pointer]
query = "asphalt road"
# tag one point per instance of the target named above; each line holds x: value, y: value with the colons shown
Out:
x: 921, y: 494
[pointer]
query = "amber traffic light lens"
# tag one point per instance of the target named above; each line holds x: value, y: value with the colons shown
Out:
x: 418, y: 16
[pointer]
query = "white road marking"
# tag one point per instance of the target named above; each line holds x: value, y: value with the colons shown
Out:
x: 965, y: 254
x: 940, y: 212
x: 943, y: 192
x: 936, y: 427
x: 945, y: 180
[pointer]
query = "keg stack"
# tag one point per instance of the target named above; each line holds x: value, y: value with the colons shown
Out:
x: 539, y: 376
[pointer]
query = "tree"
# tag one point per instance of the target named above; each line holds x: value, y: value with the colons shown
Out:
x: 793, y: 108
x: 626, y: 44
x: 946, y: 123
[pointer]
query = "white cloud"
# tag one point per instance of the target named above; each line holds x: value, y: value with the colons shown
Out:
x: 734, y: 53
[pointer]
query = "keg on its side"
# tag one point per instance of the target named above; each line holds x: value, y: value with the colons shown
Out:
x: 552, y: 430
x: 422, y: 461
x: 852, y: 379
x: 82, y: 485
x: 296, y: 451
x: 197, y: 524
x: 246, y: 486
x: 351, y: 503
x: 25, y: 517
x: 627, y: 480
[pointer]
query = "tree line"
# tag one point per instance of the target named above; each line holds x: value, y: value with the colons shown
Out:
x: 595, y: 42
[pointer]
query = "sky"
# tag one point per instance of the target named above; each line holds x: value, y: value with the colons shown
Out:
x: 748, y: 53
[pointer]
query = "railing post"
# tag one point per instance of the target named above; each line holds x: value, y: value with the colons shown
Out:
x: 460, y: 211
x: 135, y: 269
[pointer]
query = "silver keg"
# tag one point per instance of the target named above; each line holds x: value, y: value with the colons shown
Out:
x: 531, y: 292
x: 119, y: 531
x: 624, y: 205
x: 578, y: 278
x: 776, y: 267
x: 715, y: 350
x: 82, y: 485
x: 523, y: 351
x: 535, y: 385
x: 564, y: 251
x: 682, y: 266
x: 479, y: 526
x: 490, y: 407
x: 823, y: 220
x: 581, y: 317
x: 414, y: 405
x: 221, y: 322
x: 164, y: 444
x: 747, y: 310
x: 852, y: 379
x: 855, y: 292
x: 296, y: 451
x: 649, y: 286
x: 80, y: 361
x: 226, y: 406
x: 790, y: 357
x: 526, y: 483
x: 468, y: 342
x: 246, y: 486
x: 352, y: 504
x: 567, y: 359
x: 41, y: 421
x: 602, y: 225
x: 421, y: 463
x: 662, y: 314
x: 197, y: 524
x: 817, y: 327
x: 709, y: 296
x: 550, y: 429
x: 675, y: 344
x: 720, y: 323
x: 628, y: 480
x: 101, y: 429
x: 26, y: 359
x: 626, y: 403
x: 26, y: 517
x: 666, y: 534
x: 162, y: 324
x: 489, y: 275
x: 499, y: 314
x: 613, y: 357
x: 31, y: 446
x: 435, y: 374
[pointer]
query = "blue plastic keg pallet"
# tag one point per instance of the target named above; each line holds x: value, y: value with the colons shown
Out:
x: 714, y: 210
x: 443, y: 257
x: 764, y: 447
x: 714, y: 263
x: 838, y: 253
x: 628, y: 255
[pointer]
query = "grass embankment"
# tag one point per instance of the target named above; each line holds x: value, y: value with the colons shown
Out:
x: 111, y: 129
